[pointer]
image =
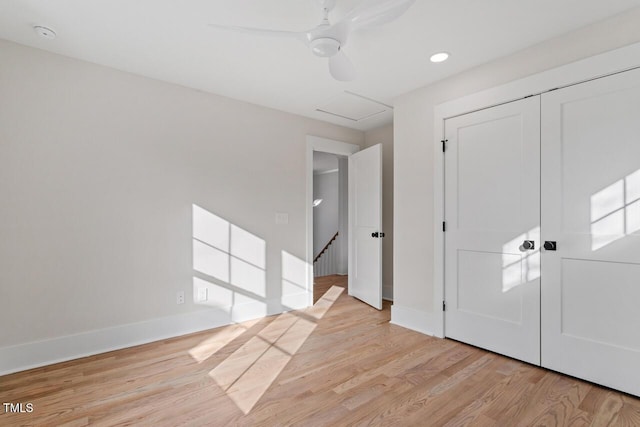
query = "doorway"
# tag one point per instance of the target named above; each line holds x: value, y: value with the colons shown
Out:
x: 324, y: 147
x: 363, y: 233
x: 330, y: 221
x: 330, y: 214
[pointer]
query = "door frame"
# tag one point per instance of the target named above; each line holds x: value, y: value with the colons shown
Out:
x: 316, y: 143
x: 602, y: 65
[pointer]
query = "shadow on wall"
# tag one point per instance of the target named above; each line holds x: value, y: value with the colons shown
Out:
x: 230, y: 271
x: 231, y: 263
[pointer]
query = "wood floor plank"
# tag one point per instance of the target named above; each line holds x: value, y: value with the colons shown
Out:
x: 338, y: 363
x: 608, y: 411
x: 506, y: 389
x: 629, y: 415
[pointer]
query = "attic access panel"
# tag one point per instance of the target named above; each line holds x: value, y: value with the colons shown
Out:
x: 354, y: 107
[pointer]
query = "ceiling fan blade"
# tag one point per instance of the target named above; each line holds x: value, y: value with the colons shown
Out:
x: 299, y: 35
x: 341, y: 68
x: 372, y: 13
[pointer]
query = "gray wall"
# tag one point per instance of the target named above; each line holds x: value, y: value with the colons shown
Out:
x: 343, y: 215
x: 99, y: 173
x: 325, y: 215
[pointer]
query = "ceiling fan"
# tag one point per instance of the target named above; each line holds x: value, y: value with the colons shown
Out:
x: 328, y: 40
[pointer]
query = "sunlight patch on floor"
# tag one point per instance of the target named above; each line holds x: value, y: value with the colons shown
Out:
x: 219, y: 340
x: 247, y: 373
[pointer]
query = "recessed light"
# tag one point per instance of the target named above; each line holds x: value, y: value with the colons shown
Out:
x: 44, y: 32
x: 439, y: 57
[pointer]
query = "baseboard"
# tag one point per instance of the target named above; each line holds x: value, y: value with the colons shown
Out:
x: 417, y: 320
x: 61, y: 349
x: 296, y: 301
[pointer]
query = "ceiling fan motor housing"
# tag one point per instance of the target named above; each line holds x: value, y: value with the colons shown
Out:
x: 325, y: 46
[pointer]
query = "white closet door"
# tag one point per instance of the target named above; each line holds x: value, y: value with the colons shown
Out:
x: 591, y: 208
x: 492, y: 205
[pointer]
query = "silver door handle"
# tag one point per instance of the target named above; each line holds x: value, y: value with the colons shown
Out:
x: 528, y: 245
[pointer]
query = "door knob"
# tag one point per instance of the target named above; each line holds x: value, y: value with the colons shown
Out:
x: 550, y: 245
x: 376, y: 234
x: 528, y: 245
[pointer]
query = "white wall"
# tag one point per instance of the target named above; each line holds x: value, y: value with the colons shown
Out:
x: 99, y: 172
x: 325, y: 215
x: 384, y: 136
x: 414, y: 302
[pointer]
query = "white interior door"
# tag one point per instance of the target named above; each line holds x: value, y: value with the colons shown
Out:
x: 365, y: 225
x: 591, y: 208
x: 492, y: 205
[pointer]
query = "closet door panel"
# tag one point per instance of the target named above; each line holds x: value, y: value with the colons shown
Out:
x: 590, y: 185
x: 492, y: 285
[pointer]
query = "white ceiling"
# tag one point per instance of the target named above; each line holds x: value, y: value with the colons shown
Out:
x: 169, y: 40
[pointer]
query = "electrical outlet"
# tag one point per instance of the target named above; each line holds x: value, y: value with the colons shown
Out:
x: 180, y: 297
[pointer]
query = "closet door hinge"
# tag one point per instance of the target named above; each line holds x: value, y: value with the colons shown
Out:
x: 444, y: 145
x: 444, y: 306
x: 444, y: 226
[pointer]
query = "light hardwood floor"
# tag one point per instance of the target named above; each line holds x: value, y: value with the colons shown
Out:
x: 337, y: 363
x: 323, y: 283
